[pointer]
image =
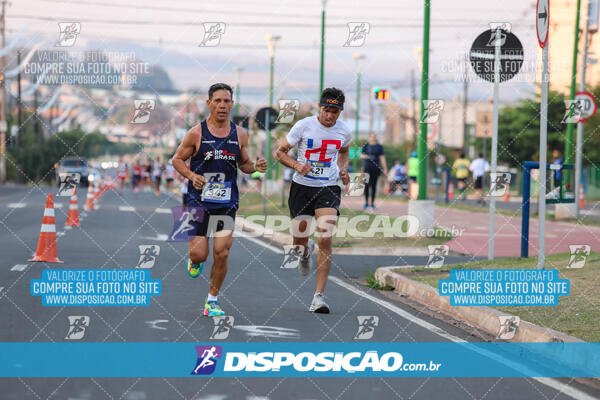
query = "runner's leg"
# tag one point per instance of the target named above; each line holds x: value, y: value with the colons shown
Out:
x: 326, y: 220
x: 221, y: 244
x: 198, y: 249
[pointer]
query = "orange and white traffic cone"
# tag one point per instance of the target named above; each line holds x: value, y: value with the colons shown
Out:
x: 96, y: 193
x: 451, y: 191
x: 581, y: 197
x: 507, y: 195
x: 89, y: 200
x: 73, y: 215
x: 46, y: 248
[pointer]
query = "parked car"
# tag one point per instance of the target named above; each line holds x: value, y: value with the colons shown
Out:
x: 69, y: 165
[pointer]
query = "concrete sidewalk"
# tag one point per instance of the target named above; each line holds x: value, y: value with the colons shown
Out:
x: 507, y: 232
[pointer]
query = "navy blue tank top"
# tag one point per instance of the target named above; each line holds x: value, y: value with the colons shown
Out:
x: 216, y: 160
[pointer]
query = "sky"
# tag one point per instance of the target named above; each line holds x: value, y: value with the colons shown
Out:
x: 169, y: 34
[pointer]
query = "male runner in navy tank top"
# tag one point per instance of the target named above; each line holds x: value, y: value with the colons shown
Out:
x: 217, y: 148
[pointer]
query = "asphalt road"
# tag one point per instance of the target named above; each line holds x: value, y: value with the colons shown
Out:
x: 257, y: 293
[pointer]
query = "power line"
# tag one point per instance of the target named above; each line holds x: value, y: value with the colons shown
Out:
x: 416, y: 25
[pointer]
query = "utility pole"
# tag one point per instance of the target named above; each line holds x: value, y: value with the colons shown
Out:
x: 236, y: 107
x: 422, y: 147
x: 579, y: 146
x: 569, y: 143
x: 321, y: 73
x: 3, y: 99
x: 37, y: 136
x: 413, y: 95
x: 464, y: 116
x: 19, y: 103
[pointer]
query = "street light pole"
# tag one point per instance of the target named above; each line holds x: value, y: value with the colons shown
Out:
x: 272, y: 42
x: 579, y: 145
x: 422, y: 146
x: 569, y: 143
x: 324, y: 4
x: 236, y: 107
x: 357, y: 57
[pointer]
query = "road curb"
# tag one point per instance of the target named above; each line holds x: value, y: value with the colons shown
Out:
x: 483, y: 318
x: 285, y: 239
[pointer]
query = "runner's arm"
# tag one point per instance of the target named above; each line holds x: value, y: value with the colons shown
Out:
x: 342, y: 163
x: 186, y: 149
x: 281, y: 155
x: 245, y: 164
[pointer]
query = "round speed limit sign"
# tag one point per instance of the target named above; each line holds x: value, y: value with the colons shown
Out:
x: 587, y: 105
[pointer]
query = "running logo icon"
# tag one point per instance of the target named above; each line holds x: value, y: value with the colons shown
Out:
x: 148, y: 255
x: 357, y: 184
x: 68, y: 182
x: 291, y: 256
x: 437, y: 255
x: 182, y: 222
x: 366, y: 326
x: 357, y: 33
x: 212, y: 34
x: 142, y: 110
x: 77, y: 326
x: 431, y: 111
x: 509, y: 325
x: 500, y: 183
x: 207, y: 359
x: 579, y: 254
x: 494, y: 26
x: 287, y: 111
x: 573, y: 111
x: 222, y: 327
x: 68, y: 32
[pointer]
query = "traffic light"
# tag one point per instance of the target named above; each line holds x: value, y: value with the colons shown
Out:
x: 381, y: 94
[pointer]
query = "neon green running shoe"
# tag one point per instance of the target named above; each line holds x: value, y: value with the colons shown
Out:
x: 213, y: 309
x: 194, y: 269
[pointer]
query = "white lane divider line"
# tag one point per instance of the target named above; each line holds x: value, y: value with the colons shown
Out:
x: 550, y: 382
x: 19, y: 267
x: 260, y: 242
x: 16, y: 205
x: 553, y: 383
x: 58, y: 205
x: 126, y: 208
x: 163, y: 210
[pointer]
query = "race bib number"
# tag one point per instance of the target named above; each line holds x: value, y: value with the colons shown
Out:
x: 216, y: 192
x: 320, y: 170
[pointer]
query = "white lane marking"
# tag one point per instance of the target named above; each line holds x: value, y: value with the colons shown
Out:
x: 126, y: 208
x: 553, y: 383
x: 260, y: 242
x: 268, y: 331
x: 163, y: 210
x: 60, y: 233
x: 19, y: 267
x: 155, y: 324
x: 161, y: 237
x: 58, y: 205
x: 16, y: 205
x: 550, y: 382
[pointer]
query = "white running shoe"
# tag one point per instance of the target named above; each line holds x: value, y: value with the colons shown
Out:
x: 318, y: 304
x: 306, y: 261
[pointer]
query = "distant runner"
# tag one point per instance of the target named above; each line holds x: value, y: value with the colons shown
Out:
x: 217, y: 148
x: 121, y: 174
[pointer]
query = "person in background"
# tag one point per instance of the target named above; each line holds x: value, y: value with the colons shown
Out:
x: 412, y: 165
x: 557, y: 160
x: 479, y: 167
x: 170, y: 173
x: 460, y: 169
x: 137, y: 175
x: 399, y: 177
x: 146, y: 174
x: 158, y: 171
x: 257, y: 177
x: 121, y: 174
x: 372, y: 153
